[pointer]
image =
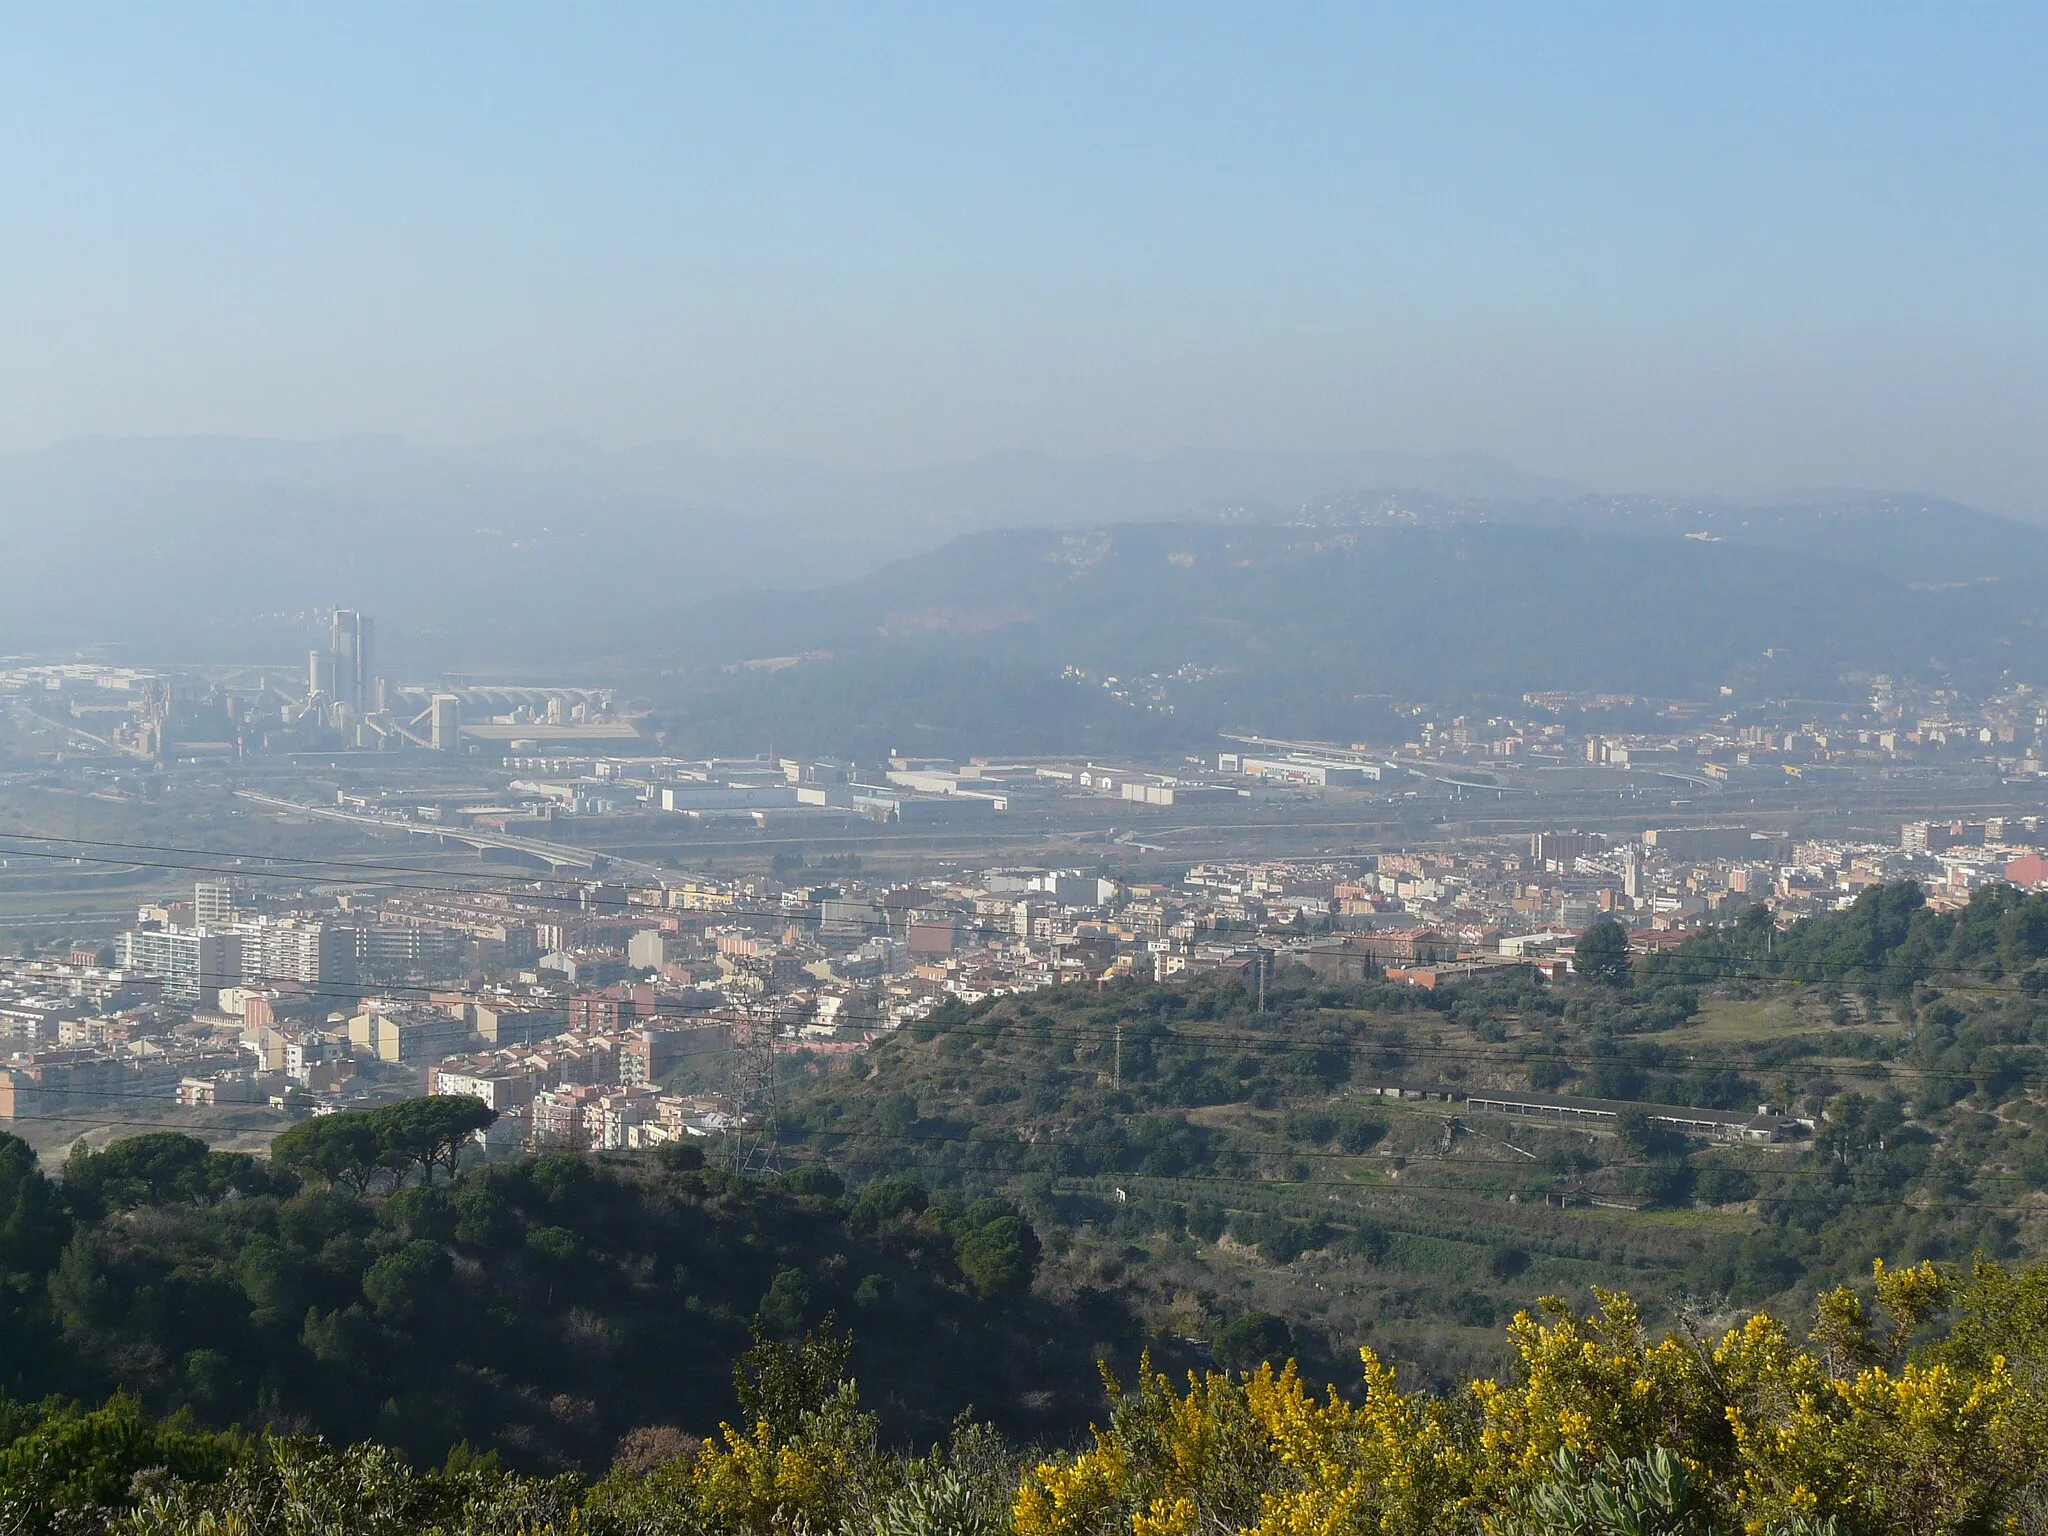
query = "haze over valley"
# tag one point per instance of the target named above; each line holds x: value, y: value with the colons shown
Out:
x: 1023, y: 771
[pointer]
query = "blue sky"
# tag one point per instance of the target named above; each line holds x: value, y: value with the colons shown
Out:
x: 1695, y: 247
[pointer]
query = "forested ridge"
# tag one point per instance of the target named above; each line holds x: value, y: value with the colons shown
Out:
x: 540, y: 1309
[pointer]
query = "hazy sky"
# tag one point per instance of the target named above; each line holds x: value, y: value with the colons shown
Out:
x: 1725, y: 246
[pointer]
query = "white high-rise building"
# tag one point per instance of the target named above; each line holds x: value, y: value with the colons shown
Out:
x: 446, y: 730
x: 348, y: 657
x: 295, y: 949
x: 192, y: 963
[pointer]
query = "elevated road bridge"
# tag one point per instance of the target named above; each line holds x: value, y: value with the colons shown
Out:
x: 555, y: 855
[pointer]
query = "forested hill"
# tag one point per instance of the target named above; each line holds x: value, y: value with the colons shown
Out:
x: 1150, y: 597
x: 1887, y: 943
x: 1286, y: 629
x: 540, y: 1309
x: 1219, y: 1159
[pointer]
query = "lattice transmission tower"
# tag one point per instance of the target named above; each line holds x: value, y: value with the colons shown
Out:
x: 752, y: 1098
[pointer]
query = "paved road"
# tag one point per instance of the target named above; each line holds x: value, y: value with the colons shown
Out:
x: 559, y: 855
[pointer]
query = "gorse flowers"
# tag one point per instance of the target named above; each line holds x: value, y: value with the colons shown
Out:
x: 1748, y: 1433
x: 1919, y: 1409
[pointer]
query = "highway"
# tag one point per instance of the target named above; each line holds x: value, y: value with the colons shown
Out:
x: 557, y: 855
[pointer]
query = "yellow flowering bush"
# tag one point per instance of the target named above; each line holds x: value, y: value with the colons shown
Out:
x: 1591, y: 1386
x: 1921, y: 1408
x: 756, y: 1483
x: 1752, y: 1433
x: 1923, y: 1450
x: 1167, y: 1465
x: 1394, y: 1463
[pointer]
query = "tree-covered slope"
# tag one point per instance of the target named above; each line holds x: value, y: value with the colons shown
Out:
x: 1917, y: 1406
x: 542, y: 1309
x: 1234, y: 1162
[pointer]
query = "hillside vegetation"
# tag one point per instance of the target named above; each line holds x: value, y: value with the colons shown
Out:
x: 1154, y: 1209
x: 1241, y: 1163
x: 1918, y: 1407
x: 540, y: 1309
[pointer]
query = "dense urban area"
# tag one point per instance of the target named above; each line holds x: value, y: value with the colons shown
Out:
x: 542, y: 909
x: 1021, y: 1067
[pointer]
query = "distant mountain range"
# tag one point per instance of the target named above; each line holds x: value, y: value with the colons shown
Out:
x: 1186, y: 627
x: 1919, y: 540
x: 504, y: 553
x: 1296, y: 590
